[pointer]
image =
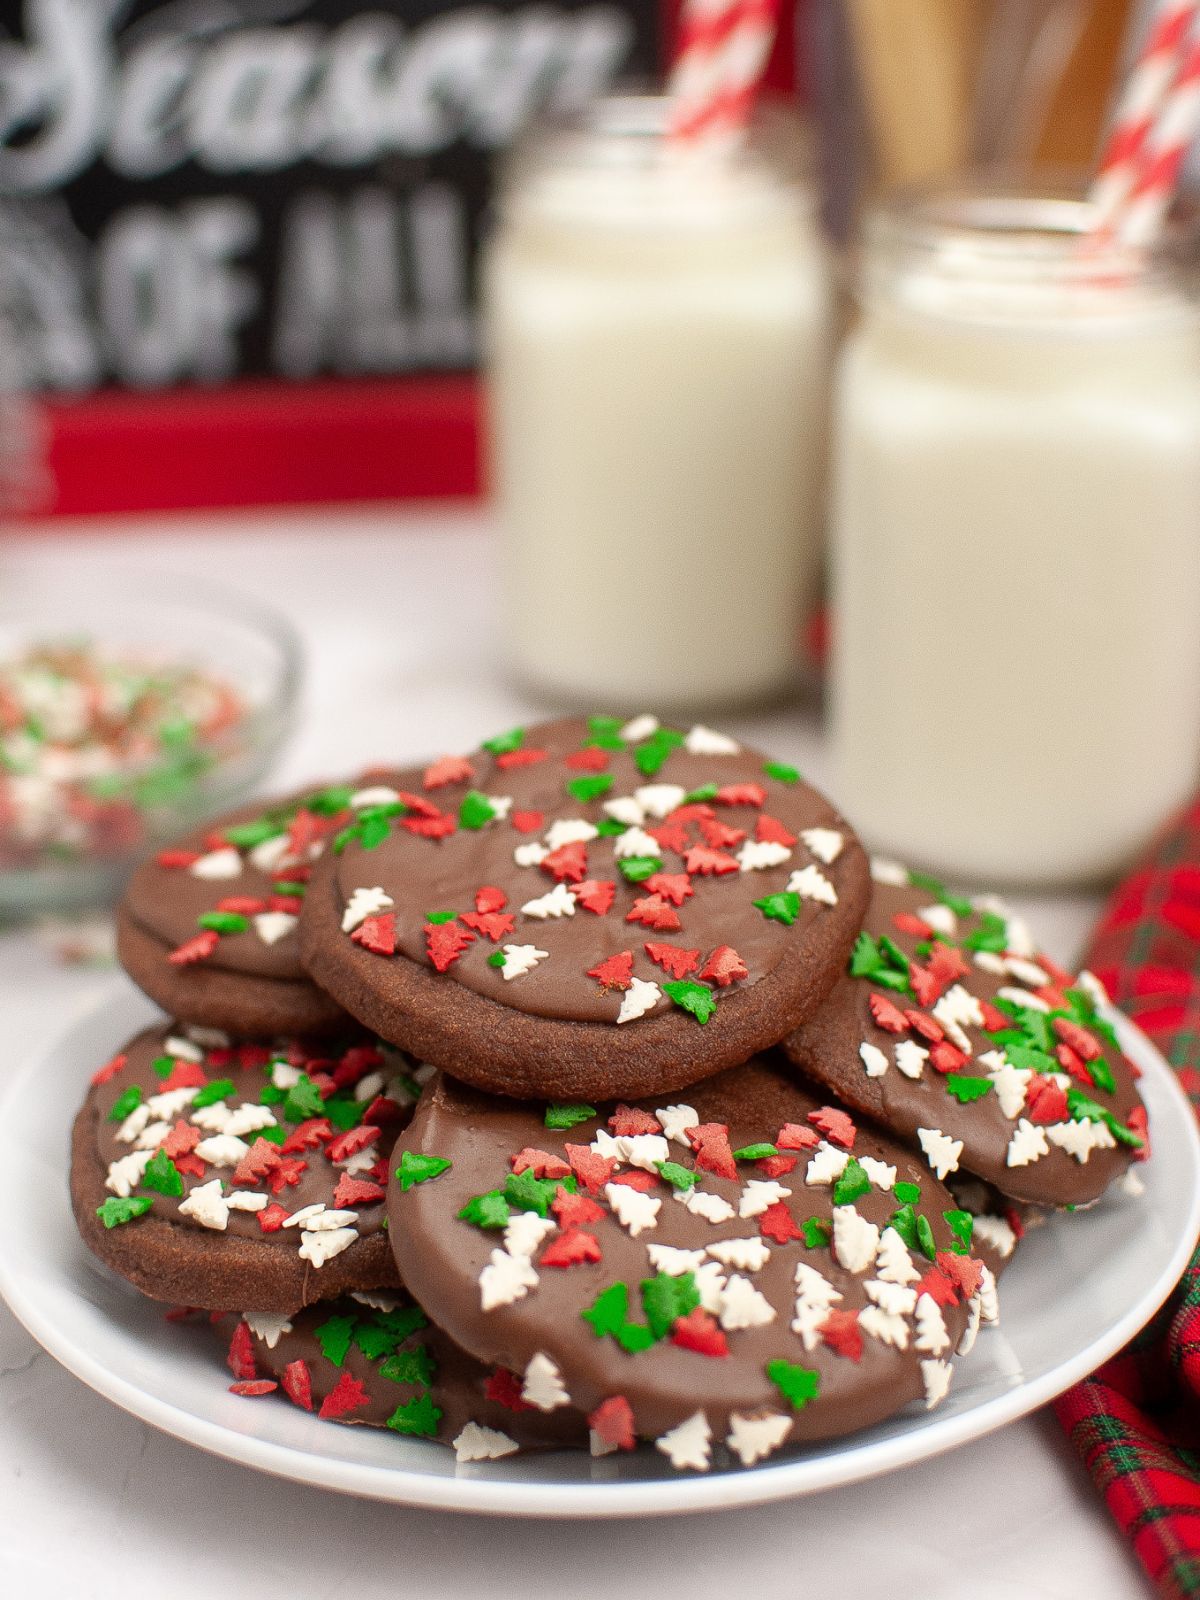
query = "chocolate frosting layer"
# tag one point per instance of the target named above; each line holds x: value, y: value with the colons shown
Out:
x: 418, y: 1382
x: 422, y: 875
x: 192, y: 1156
x: 779, y: 1336
x: 175, y: 887
x: 1025, y: 1077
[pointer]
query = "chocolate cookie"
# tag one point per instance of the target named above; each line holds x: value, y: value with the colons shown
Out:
x: 211, y: 1173
x: 207, y: 928
x: 585, y: 908
x: 747, y: 1269
x: 951, y: 1030
x: 377, y: 1360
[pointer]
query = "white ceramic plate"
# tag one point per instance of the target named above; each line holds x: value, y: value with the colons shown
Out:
x: 1080, y: 1287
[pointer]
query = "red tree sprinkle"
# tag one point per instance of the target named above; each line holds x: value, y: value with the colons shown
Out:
x: 504, y: 1389
x: 494, y: 925
x: 629, y: 1121
x: 886, y: 1014
x: 377, y: 934
x: 612, y: 1421
x: 240, y: 1359
x: 568, y: 863
x: 308, y: 1135
x: 436, y: 827
x: 776, y: 1224
x: 673, y: 886
x: 352, y: 1142
x: 509, y: 759
x: 108, y: 1070
x: 1044, y: 1101
x: 571, y: 1249
x: 706, y: 862
x: 794, y: 1136
x: 352, y: 1192
x: 720, y: 835
x: 590, y: 759
x: 670, y: 834
x: 541, y: 1163
x: 723, y: 967
x: 644, y: 1182
x: 446, y: 770
x: 575, y: 1210
x: 177, y: 858
x: 595, y: 895
x: 198, y: 948
x: 1080, y: 1040
x: 741, y: 794
x: 445, y: 942
x: 652, y: 911
x: 842, y: 1334
x: 925, y: 1026
x: 769, y: 830
x: 346, y: 1395
x: 297, y: 1384
x: 964, y: 1272
x: 614, y: 973
x: 835, y: 1125
x: 710, y: 1141
x: 946, y: 1057
x: 678, y: 963
x: 593, y: 1171
x: 700, y: 1332
x: 776, y: 1166
x: 257, y: 1164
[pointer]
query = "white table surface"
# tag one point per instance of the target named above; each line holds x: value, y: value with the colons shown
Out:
x: 394, y: 609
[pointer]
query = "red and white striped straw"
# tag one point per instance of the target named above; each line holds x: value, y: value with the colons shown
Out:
x: 1156, y: 121
x: 1139, y: 106
x: 1142, y: 215
x: 719, y: 66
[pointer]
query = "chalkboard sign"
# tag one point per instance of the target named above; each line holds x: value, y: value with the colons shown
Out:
x: 192, y: 191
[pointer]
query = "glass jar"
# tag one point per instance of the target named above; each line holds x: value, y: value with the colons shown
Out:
x: 1016, y: 532
x: 657, y: 327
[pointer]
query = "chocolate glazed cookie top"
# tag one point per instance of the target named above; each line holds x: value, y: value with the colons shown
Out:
x: 952, y: 1029
x: 228, y: 895
x: 376, y: 1359
x: 595, y: 872
x: 285, y: 1144
x: 743, y: 1269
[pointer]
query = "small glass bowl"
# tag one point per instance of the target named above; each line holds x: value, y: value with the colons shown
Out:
x: 164, y: 620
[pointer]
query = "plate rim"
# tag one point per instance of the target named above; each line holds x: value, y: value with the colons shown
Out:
x: 472, y: 1492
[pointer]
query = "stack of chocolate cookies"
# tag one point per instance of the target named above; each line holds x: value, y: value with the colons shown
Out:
x: 591, y: 1090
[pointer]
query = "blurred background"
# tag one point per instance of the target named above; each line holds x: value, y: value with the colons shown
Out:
x: 240, y: 240
x: 828, y: 365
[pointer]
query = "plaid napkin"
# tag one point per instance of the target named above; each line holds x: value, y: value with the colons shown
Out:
x: 1136, y: 1422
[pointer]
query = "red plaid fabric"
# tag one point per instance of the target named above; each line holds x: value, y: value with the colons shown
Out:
x: 1136, y: 1422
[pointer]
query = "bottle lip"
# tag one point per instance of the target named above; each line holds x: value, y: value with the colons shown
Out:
x: 1002, y: 226
x: 612, y: 164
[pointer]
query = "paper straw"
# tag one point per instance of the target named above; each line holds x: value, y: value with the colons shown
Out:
x: 1140, y: 106
x: 1141, y: 217
x: 723, y: 51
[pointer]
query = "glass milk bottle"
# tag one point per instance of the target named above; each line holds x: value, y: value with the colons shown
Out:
x: 657, y: 327
x: 1016, y: 567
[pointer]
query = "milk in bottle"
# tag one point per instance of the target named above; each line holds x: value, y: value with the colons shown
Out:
x: 1016, y: 565
x: 658, y: 324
